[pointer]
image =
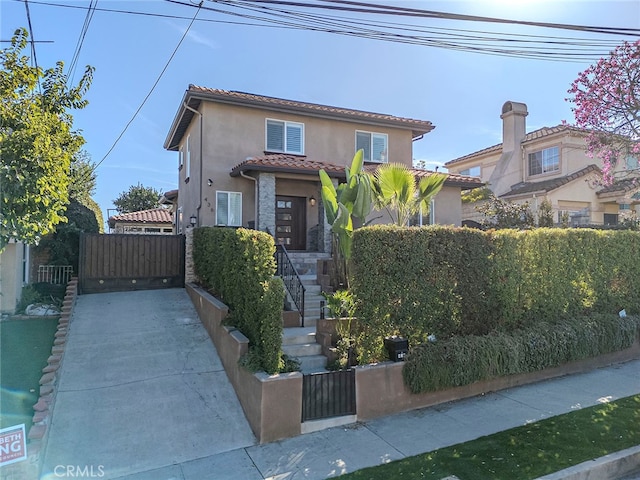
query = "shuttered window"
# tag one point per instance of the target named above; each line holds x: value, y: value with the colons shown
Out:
x: 285, y: 137
x: 375, y: 146
x: 229, y: 208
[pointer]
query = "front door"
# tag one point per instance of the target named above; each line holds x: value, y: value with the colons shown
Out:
x: 291, y: 222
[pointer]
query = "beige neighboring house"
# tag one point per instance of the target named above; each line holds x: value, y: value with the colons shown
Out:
x: 155, y: 221
x: 548, y: 164
x: 14, y: 274
x: 253, y: 161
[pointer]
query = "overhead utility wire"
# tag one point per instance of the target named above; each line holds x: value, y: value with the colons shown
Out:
x: 33, y: 44
x: 362, y: 7
x: 321, y: 25
x: 175, y: 50
x: 83, y: 33
x: 472, y: 40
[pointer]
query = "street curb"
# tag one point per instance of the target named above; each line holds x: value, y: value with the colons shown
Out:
x: 609, y: 467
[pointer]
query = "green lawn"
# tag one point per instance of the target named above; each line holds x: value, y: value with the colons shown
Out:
x: 525, y: 452
x: 25, y: 346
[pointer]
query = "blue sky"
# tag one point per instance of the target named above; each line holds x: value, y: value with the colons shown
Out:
x: 460, y: 93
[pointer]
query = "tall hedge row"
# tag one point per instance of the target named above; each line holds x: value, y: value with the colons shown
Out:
x: 238, y: 266
x: 457, y: 281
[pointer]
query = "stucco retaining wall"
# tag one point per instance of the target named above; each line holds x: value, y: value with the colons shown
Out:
x: 384, y: 383
x: 271, y: 403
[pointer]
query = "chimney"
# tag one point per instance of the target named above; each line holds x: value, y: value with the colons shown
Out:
x: 514, y: 125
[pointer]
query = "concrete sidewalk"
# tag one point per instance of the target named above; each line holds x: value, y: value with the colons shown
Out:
x: 145, y: 396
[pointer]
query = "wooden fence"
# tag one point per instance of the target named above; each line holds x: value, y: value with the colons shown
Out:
x: 118, y: 262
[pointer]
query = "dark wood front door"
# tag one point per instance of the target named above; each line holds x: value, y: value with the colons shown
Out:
x: 291, y: 224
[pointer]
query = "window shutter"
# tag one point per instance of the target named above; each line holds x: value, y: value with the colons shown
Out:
x: 294, y: 138
x: 363, y: 141
x: 275, y: 136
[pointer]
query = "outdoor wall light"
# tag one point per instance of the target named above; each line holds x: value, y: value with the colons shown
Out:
x: 193, y: 220
x: 312, y: 201
x: 209, y: 182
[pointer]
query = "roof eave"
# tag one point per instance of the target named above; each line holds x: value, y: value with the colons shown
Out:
x: 235, y: 172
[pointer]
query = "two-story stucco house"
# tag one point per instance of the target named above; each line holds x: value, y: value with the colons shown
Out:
x: 251, y: 160
x: 547, y: 164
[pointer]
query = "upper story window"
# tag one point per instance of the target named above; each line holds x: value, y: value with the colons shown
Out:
x: 285, y: 137
x: 631, y: 162
x: 180, y: 157
x: 375, y: 146
x: 544, y: 161
x: 472, y: 171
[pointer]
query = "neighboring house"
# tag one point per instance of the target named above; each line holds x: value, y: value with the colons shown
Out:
x: 155, y: 221
x: 14, y: 274
x: 548, y: 164
x: 253, y: 161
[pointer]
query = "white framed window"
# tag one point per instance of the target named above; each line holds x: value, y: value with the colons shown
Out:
x: 179, y: 220
x: 180, y: 158
x: 544, y: 161
x: 631, y: 162
x: 375, y: 146
x: 188, y: 159
x: 229, y: 208
x: 284, y: 137
x: 472, y: 171
x: 25, y: 263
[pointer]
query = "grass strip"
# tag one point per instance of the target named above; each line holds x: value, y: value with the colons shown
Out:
x: 525, y: 452
x: 25, y: 346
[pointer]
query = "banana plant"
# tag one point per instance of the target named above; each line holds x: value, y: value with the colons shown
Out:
x: 348, y: 204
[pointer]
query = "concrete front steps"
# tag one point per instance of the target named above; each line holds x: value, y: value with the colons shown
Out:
x: 300, y: 342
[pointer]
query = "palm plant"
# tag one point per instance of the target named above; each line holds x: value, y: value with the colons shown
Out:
x: 395, y: 189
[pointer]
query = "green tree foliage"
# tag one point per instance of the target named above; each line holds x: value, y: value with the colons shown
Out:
x: 137, y: 198
x: 395, y: 189
x: 83, y: 178
x: 37, y: 143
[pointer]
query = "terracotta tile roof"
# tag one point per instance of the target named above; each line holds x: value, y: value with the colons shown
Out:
x: 155, y: 215
x: 195, y: 94
x: 453, y: 179
x: 621, y: 186
x: 551, y: 184
x: 286, y: 164
x: 535, y: 135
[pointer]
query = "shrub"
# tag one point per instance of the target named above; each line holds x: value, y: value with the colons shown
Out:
x: 460, y: 361
x: 238, y: 265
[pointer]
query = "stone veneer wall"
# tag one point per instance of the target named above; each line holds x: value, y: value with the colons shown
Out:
x: 266, y: 203
x: 189, y: 267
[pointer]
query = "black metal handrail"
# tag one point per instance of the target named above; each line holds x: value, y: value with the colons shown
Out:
x: 292, y: 281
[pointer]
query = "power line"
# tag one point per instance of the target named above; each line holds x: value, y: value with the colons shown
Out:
x: 83, y: 33
x: 33, y: 45
x: 148, y: 94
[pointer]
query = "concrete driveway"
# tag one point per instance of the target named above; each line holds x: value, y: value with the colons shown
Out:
x: 141, y: 388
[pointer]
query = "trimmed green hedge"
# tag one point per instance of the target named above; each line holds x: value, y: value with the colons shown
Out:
x: 460, y: 361
x: 458, y: 281
x: 238, y: 266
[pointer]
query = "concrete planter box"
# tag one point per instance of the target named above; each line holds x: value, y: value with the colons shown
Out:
x: 383, y: 383
x: 271, y: 403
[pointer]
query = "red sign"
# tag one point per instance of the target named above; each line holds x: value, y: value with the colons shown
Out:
x: 13, y: 445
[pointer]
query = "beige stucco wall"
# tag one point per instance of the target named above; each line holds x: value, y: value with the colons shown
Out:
x: 234, y: 133
x: 10, y: 277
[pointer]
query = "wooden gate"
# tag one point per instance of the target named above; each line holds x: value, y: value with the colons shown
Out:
x: 120, y: 262
x: 328, y: 394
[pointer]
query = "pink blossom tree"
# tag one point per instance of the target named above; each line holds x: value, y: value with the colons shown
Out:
x: 606, y: 99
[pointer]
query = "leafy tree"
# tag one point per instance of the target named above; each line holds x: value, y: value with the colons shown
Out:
x: 137, y: 198
x: 36, y: 143
x: 83, y: 178
x: 606, y: 99
x: 396, y: 190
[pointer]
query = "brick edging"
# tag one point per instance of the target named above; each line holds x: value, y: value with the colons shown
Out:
x: 43, y: 408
